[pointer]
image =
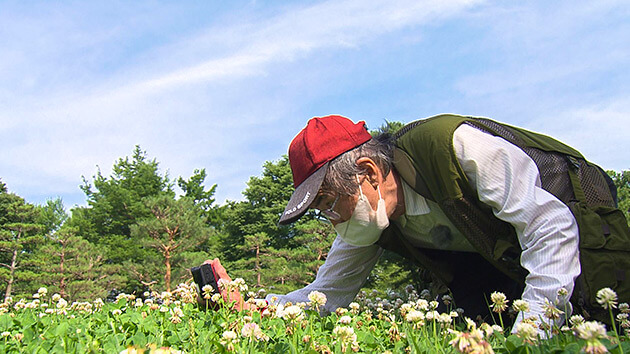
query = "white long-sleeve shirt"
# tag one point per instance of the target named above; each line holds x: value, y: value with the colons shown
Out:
x: 507, y: 180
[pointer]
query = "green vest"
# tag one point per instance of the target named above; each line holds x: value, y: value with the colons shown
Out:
x: 425, y: 158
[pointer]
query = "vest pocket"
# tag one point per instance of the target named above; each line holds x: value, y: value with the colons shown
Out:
x: 604, y: 256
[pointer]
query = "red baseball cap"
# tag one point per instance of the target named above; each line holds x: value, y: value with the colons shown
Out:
x: 323, y: 139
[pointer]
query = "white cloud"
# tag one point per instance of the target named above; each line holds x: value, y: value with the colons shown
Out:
x: 600, y: 132
x: 83, y: 117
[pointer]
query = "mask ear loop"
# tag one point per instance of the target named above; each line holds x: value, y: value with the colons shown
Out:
x: 378, y: 188
x: 359, y: 183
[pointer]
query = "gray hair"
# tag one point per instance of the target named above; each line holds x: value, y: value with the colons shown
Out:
x: 340, y: 176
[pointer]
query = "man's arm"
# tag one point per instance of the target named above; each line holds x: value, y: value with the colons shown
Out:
x: 340, y: 277
x: 508, y: 180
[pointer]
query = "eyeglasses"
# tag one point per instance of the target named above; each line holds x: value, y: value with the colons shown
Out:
x: 329, y: 213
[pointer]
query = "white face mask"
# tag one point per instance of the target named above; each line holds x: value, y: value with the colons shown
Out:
x: 365, y: 225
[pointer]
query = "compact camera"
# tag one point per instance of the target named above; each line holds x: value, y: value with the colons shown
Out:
x: 205, y: 275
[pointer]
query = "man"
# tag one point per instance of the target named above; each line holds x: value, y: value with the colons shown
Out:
x: 455, y: 195
x: 483, y: 206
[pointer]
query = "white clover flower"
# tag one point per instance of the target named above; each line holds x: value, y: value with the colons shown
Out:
x: 422, y: 304
x: 624, y: 307
x: 433, y: 305
x: 562, y: 292
x: 62, y: 303
x: 607, y: 297
x: 470, y: 323
x: 551, y: 311
x: 207, y: 291
x: 223, y: 283
x: 590, y: 330
x: 520, y: 305
x: 432, y: 315
x: 5, y: 334
x: 405, y: 308
x: 345, y: 320
x: 499, y: 301
x: 175, y: 319
x: 240, y: 283
x: 447, y: 299
x: 164, y: 309
x: 340, y: 311
x: 177, y: 312
x: 472, y: 342
x: 354, y: 306
x: 216, y: 297
x: 36, y: 296
x: 252, y: 330
x: 444, y: 318
x: 487, y: 329
x: 98, y: 303
x: 229, y: 335
x: 42, y: 291
x: 228, y: 340
x: 116, y: 312
x: 345, y: 334
x: 317, y: 298
x: 292, y: 313
x: 576, y: 320
x: 527, y: 332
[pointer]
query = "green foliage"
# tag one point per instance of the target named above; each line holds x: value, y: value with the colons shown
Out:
x: 255, y: 247
x: 52, y: 215
x: 172, y: 323
x: 20, y: 235
x: 74, y: 267
x: 204, y: 199
x: 387, y: 128
x: 117, y: 202
x: 622, y: 182
x: 174, y: 226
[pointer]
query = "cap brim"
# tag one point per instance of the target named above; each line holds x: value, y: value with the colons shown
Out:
x: 303, y: 196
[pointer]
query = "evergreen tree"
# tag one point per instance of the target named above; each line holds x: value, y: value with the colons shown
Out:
x: 255, y: 247
x: 19, y: 236
x: 75, y: 268
x: 115, y: 204
x: 175, y: 226
x: 622, y: 182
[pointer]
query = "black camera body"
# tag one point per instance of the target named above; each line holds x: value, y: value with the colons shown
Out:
x: 205, y: 275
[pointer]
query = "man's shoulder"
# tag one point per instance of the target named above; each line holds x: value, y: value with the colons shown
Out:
x: 435, y: 126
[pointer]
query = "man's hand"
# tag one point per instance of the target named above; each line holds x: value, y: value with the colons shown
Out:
x: 222, y: 277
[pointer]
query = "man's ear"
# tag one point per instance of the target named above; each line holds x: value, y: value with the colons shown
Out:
x: 371, y: 169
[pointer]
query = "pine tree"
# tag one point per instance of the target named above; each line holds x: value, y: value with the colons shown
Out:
x: 19, y: 235
x: 175, y: 226
x: 74, y: 267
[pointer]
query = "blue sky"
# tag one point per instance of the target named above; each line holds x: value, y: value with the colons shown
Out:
x: 226, y: 85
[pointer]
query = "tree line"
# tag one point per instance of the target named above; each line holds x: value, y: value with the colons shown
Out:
x: 137, y: 234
